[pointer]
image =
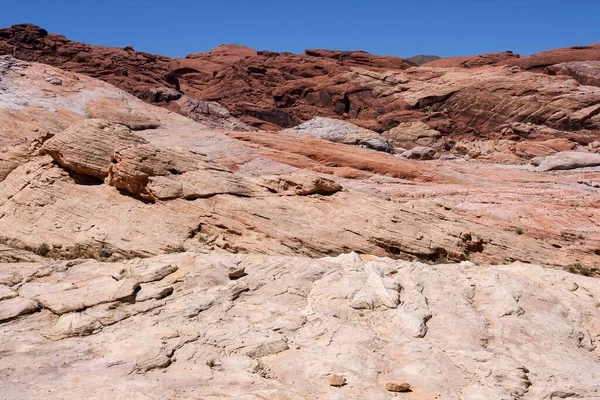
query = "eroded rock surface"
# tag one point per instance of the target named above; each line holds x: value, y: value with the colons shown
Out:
x: 297, y: 328
x: 140, y: 180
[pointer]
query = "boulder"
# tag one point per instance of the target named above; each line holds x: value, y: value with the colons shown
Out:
x: 342, y: 132
x: 164, y: 94
x: 419, y: 153
x: 300, y: 185
x: 87, y: 147
x: 412, y: 134
x: 397, y: 387
x: 566, y: 160
x: 336, y: 380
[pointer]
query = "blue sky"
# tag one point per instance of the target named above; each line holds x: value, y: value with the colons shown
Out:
x: 401, y: 28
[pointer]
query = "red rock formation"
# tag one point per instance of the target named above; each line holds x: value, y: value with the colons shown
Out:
x: 536, y: 62
x: 479, y: 99
x: 265, y: 89
x: 584, y: 72
x: 473, y: 61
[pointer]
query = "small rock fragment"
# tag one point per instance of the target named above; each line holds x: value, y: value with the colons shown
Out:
x: 397, y: 387
x: 236, y: 272
x: 54, y: 81
x: 419, y: 153
x: 336, y: 380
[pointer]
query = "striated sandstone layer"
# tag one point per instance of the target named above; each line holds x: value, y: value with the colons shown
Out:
x: 141, y: 180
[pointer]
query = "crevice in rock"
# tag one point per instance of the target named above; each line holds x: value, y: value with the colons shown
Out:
x: 81, y: 179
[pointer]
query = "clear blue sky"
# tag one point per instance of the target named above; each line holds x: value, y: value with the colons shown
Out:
x: 394, y: 27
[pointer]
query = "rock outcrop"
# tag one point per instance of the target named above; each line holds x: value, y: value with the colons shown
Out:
x: 291, y: 327
x: 566, y: 160
x: 271, y: 193
x: 584, y: 72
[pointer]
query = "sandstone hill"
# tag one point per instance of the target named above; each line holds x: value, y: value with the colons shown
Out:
x: 422, y: 59
x: 156, y: 243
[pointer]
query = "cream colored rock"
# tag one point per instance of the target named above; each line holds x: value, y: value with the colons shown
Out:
x: 88, y: 294
x: 73, y: 325
x: 390, y: 205
x: 6, y: 293
x: 342, y: 132
x: 286, y: 328
x: 397, y: 387
x: 336, y: 380
x: 166, y: 174
x: 15, y: 307
x: 419, y: 153
x: 566, y: 160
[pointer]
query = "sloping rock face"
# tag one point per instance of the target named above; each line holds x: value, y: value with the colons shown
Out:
x: 459, y: 114
x: 584, y: 72
x: 179, y: 326
x: 265, y: 89
x: 473, y: 61
x: 99, y: 188
x: 539, y: 61
x: 101, y: 149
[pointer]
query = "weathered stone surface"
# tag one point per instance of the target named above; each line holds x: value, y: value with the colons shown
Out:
x: 88, y: 294
x: 300, y: 185
x: 209, y: 113
x: 6, y: 292
x: 15, y: 307
x: 584, y: 72
x: 536, y: 62
x: 165, y: 94
x: 242, y: 306
x: 473, y: 61
x: 221, y: 205
x: 272, y: 91
x: 165, y: 174
x: 284, y: 330
x: 411, y: 133
x: 73, y: 325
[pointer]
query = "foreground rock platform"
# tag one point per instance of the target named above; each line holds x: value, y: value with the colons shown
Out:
x: 178, y: 326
